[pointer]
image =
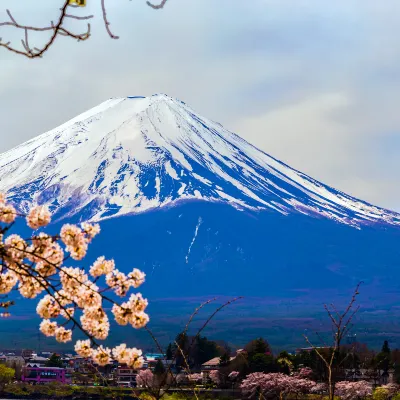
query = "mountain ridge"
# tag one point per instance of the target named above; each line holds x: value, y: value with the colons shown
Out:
x: 133, y: 154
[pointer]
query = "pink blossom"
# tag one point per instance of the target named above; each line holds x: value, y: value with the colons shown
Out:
x: 38, y: 216
x: 304, y: 373
x: 181, y: 378
x: 145, y: 378
x: 274, y: 384
x: 319, y: 388
x: 233, y: 375
x: 353, y: 390
x: 37, y: 264
x: 215, y: 377
x: 195, y: 377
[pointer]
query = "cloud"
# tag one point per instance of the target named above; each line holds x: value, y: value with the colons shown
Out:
x: 315, y: 84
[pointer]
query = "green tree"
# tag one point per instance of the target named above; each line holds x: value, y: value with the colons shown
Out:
x: 181, y: 348
x: 258, y: 346
x: 385, y: 347
x: 380, y: 393
x: 203, y: 350
x: 224, y: 360
x: 383, y: 359
x: 169, y: 353
x: 263, y: 363
x: 285, y: 362
x: 17, y: 367
x: 159, y: 368
x: 54, y: 361
x: 6, y: 376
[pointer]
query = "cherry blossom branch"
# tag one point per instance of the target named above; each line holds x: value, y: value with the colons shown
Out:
x: 36, y: 266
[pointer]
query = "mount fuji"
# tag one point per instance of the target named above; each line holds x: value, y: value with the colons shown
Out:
x: 131, y: 155
x: 203, y: 212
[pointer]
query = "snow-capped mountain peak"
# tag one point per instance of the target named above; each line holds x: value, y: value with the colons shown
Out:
x: 129, y: 155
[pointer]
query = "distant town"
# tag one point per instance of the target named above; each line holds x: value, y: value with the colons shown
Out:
x: 201, y: 365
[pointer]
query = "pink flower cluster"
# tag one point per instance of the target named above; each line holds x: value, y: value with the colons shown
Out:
x: 233, y: 375
x: 304, y: 373
x: 274, y: 384
x: 145, y: 378
x: 215, y: 377
x: 195, y: 377
x: 353, y: 390
x: 36, y: 265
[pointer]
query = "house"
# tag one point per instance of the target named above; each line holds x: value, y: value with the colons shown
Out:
x: 375, y: 377
x: 125, y: 376
x: 36, y: 362
x: 214, y: 362
x: 310, y: 349
x: 27, y: 353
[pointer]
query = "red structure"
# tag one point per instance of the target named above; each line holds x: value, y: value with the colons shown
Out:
x: 46, y: 374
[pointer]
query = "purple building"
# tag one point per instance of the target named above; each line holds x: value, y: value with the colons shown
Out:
x: 46, y: 374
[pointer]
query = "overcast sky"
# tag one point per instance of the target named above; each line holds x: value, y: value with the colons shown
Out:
x: 314, y: 83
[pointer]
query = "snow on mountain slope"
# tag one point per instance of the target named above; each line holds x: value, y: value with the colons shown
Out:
x: 129, y: 155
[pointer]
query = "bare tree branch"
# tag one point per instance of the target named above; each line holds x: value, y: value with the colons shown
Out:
x: 341, y: 324
x: 58, y: 29
x: 106, y: 23
x: 157, y: 6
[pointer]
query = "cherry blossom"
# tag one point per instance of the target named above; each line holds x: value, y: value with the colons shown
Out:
x: 101, y: 355
x: 102, y: 267
x: 63, y: 335
x: 274, y: 384
x: 195, y: 377
x: 145, y: 378
x: 215, y: 377
x: 304, y: 373
x: 233, y: 375
x: 38, y: 217
x: 319, y: 388
x: 7, y: 213
x: 353, y: 390
x: 36, y: 266
x: 83, y: 348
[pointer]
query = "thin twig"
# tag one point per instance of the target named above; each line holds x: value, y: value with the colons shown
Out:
x: 157, y: 6
x: 106, y: 22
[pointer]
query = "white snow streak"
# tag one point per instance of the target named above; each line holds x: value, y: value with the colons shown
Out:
x: 170, y: 171
x: 199, y: 222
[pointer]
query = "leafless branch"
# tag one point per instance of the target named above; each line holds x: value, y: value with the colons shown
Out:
x: 106, y: 23
x: 341, y: 324
x: 164, y: 384
x: 157, y: 6
x: 58, y: 29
